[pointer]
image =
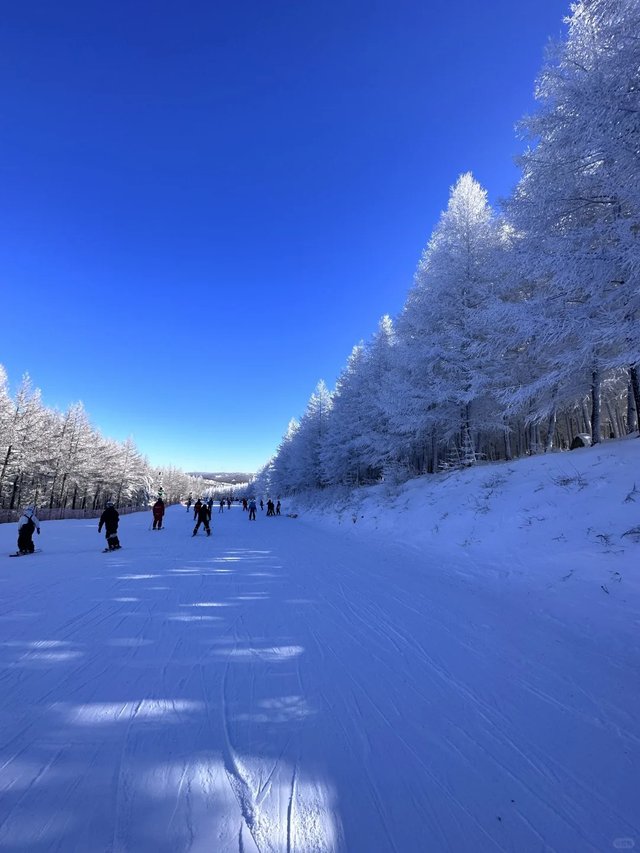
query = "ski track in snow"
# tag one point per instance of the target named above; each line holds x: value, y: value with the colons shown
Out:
x: 279, y: 688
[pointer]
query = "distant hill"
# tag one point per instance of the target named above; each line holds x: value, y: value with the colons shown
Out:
x: 234, y: 478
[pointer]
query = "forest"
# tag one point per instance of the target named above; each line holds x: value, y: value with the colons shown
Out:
x: 59, y: 462
x: 520, y: 333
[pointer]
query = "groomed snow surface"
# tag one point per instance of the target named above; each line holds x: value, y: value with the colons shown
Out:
x: 455, y: 671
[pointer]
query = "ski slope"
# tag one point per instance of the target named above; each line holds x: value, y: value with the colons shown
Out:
x: 283, y: 687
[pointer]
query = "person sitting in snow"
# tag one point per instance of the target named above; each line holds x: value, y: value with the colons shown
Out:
x: 110, y: 519
x: 158, y: 514
x: 27, y: 525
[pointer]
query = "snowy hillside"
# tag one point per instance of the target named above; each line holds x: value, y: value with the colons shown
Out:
x: 559, y: 516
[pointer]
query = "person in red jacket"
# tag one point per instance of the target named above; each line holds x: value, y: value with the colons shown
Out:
x: 158, y: 514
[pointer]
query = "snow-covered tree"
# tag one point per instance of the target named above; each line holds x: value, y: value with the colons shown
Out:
x: 444, y: 323
x: 576, y: 211
x: 341, y: 451
x: 284, y: 476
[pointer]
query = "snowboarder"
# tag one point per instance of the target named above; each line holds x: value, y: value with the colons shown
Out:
x: 252, y: 509
x: 110, y: 519
x: 203, y: 517
x: 158, y: 514
x: 27, y: 525
x: 278, y: 507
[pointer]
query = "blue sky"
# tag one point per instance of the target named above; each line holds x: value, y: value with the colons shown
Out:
x: 205, y: 205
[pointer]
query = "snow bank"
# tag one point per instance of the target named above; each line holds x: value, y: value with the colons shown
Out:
x: 555, y: 516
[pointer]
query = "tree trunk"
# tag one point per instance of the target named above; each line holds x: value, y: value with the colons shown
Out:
x: 53, y: 486
x: 4, y: 467
x: 595, y: 406
x: 14, y: 492
x: 61, y: 495
x: 435, y: 461
x: 635, y: 384
x: 631, y: 411
x: 551, y: 428
x: 508, y: 453
x: 613, y: 424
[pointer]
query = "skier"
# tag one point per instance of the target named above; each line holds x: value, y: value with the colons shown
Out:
x: 270, y: 507
x: 221, y: 507
x: 210, y: 505
x: 188, y: 503
x: 27, y: 524
x: 252, y: 509
x: 228, y: 503
x: 158, y: 514
x: 203, y: 517
x: 244, y: 504
x: 110, y: 518
x: 261, y: 505
x: 196, y: 508
x: 278, y: 507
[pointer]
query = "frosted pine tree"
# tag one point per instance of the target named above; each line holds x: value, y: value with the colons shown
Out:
x: 576, y: 211
x: 444, y: 323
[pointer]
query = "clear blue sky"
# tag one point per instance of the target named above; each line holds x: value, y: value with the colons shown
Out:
x: 205, y: 205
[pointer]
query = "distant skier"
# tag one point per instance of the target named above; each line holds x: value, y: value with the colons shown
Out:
x: 196, y: 508
x: 188, y: 503
x: 210, y: 505
x: 278, y: 507
x: 27, y: 525
x: 110, y: 519
x: 252, y: 509
x: 221, y: 507
x: 244, y: 504
x: 158, y: 514
x: 228, y: 503
x: 270, y: 507
x: 261, y: 505
x: 203, y: 517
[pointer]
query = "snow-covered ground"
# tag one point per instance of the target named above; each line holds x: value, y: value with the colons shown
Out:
x: 455, y: 671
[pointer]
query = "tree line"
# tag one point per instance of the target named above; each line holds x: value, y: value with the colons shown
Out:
x: 520, y: 331
x: 59, y: 461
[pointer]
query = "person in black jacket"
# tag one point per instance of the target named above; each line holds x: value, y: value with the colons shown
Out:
x: 203, y: 516
x: 109, y: 519
x: 27, y: 526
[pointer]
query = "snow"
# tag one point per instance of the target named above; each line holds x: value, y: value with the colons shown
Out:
x: 455, y: 671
